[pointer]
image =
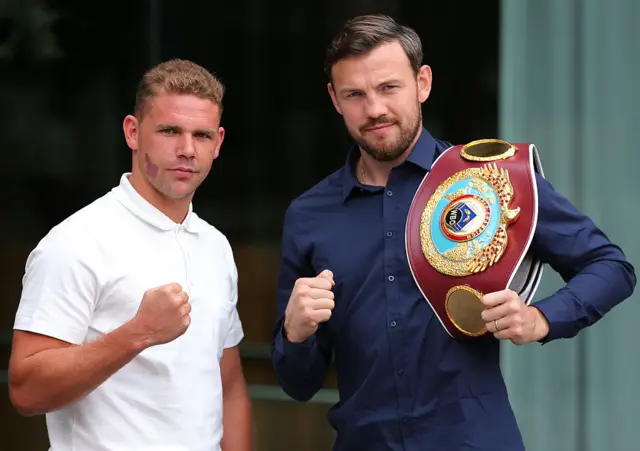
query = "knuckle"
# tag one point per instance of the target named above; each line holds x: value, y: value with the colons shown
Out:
x: 302, y: 282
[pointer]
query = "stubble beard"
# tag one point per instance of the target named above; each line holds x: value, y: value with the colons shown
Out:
x: 393, y: 150
x: 163, y: 187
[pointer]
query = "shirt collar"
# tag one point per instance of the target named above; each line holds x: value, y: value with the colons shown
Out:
x: 140, y: 207
x: 421, y: 155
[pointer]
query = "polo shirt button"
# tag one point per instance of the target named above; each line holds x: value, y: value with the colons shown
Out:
x: 389, y: 193
x: 389, y: 234
x: 391, y: 278
x: 400, y: 372
x: 393, y: 323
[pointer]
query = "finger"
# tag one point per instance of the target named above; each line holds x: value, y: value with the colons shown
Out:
x: 319, y: 282
x: 503, y: 323
x: 181, y: 297
x: 321, y: 304
x: 185, y: 309
x: 494, y: 313
x: 496, y: 298
x: 172, y: 288
x: 318, y: 293
x: 328, y: 275
x: 503, y: 335
x: 514, y: 333
x: 320, y: 316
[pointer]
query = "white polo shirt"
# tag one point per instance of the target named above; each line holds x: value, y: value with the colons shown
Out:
x: 87, y: 277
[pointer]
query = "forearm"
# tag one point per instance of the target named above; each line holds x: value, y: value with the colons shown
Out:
x: 54, y: 378
x: 586, y: 298
x: 300, y: 367
x: 237, y: 423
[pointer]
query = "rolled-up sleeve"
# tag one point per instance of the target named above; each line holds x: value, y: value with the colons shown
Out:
x: 596, y: 271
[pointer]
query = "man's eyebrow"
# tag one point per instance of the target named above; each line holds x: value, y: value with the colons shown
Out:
x: 167, y: 127
x: 389, y: 81
x: 348, y: 90
x: 209, y: 131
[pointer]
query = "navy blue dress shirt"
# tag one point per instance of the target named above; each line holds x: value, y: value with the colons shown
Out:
x: 404, y: 384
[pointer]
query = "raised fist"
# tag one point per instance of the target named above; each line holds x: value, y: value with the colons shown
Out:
x: 163, y: 314
x: 310, y: 304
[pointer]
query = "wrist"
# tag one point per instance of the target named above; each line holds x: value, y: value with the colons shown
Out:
x: 136, y: 336
x: 289, y: 334
x: 540, y: 324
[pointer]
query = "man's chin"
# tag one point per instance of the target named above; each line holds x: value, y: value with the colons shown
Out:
x: 383, y: 153
x: 175, y: 194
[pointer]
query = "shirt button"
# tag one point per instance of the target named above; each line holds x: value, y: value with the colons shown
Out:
x: 393, y: 324
x: 400, y: 372
x: 389, y: 193
x: 389, y: 234
x: 391, y: 278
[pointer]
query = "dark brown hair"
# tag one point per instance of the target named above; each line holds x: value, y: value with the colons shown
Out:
x: 362, y: 34
x: 178, y: 76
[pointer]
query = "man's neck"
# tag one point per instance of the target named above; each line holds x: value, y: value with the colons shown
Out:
x: 174, y: 209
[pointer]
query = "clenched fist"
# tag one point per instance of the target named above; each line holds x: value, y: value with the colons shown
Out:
x: 163, y: 314
x: 310, y: 304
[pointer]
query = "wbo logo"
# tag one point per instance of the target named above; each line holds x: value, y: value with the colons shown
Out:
x: 465, y: 218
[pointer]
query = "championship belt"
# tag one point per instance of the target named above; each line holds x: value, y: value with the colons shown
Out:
x: 469, y: 230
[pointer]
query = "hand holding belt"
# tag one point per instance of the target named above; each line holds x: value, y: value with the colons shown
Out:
x: 469, y: 230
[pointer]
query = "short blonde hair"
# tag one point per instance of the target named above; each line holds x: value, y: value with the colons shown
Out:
x: 178, y: 76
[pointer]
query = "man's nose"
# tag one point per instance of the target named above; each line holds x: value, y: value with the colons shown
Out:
x: 376, y: 107
x: 186, y: 147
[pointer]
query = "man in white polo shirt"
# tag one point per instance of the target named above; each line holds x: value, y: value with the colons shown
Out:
x: 127, y: 329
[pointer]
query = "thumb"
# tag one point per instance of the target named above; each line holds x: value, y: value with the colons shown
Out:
x: 328, y: 275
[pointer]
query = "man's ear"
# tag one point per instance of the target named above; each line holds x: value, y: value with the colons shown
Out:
x: 424, y: 83
x: 130, y: 128
x: 216, y: 151
x: 332, y: 94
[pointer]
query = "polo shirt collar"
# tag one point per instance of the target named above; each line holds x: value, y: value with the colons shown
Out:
x: 421, y: 155
x: 140, y: 207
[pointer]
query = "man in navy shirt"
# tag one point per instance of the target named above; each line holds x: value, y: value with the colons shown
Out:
x: 345, y: 290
